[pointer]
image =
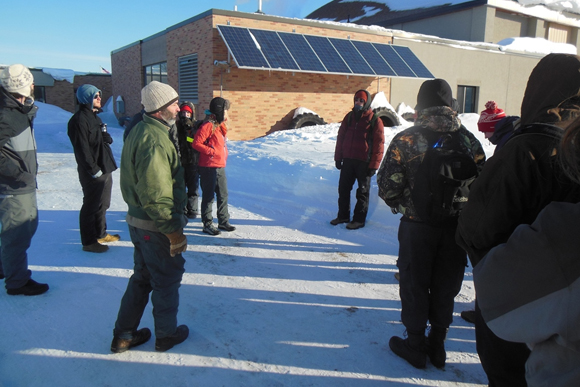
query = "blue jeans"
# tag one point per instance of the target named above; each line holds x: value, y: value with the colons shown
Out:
x: 155, y: 272
x: 19, y: 221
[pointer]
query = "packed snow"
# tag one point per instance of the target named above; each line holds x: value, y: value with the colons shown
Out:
x: 285, y: 300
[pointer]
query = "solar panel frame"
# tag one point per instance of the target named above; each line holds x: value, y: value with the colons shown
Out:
x: 394, y: 60
x: 351, y: 56
x: 274, y: 50
x: 328, y: 55
x: 244, y: 50
x: 413, y: 62
x: 374, y: 59
x: 300, y: 48
x: 261, y: 49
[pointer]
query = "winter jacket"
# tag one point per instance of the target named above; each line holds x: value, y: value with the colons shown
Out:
x: 18, y: 163
x: 189, y: 156
x: 210, y: 141
x: 528, y: 291
x: 396, y: 177
x: 91, y: 152
x: 152, y: 178
x: 354, y: 137
x: 515, y: 185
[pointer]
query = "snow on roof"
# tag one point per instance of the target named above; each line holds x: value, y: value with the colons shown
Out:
x: 538, y: 45
x: 60, y: 74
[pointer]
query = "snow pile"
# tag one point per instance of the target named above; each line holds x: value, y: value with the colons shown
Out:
x: 60, y: 74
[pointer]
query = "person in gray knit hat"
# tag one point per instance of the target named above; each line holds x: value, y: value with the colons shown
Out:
x: 153, y: 186
x: 18, y: 167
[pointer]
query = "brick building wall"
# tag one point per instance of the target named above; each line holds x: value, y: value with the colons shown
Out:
x: 127, y: 79
x: 262, y: 101
x: 63, y: 93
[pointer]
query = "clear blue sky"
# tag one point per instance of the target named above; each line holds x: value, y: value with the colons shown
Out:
x: 80, y: 35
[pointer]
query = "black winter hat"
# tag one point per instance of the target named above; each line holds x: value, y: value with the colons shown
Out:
x: 217, y: 107
x: 435, y: 92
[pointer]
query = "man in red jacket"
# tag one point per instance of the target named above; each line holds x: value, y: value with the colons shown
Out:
x: 210, y: 141
x: 358, y: 155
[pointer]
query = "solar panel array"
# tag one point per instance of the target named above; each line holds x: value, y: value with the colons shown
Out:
x: 283, y: 51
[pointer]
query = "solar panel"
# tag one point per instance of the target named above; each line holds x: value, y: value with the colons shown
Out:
x: 274, y: 50
x: 351, y: 56
x: 374, y: 59
x: 416, y: 65
x: 388, y: 52
x: 302, y: 52
x: 328, y: 55
x: 243, y: 47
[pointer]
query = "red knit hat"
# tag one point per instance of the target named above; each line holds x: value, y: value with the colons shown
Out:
x: 361, y: 94
x: 489, y: 117
x: 186, y: 108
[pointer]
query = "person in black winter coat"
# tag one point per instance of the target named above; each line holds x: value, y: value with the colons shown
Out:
x: 522, y: 178
x: 18, y: 168
x: 91, y: 145
x: 189, y: 156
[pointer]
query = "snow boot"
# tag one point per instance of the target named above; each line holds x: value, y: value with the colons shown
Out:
x: 227, y: 227
x: 211, y: 229
x: 96, y: 248
x: 469, y: 316
x: 166, y: 343
x: 412, y: 349
x: 336, y: 221
x: 109, y: 238
x: 436, y: 346
x: 31, y: 288
x: 355, y: 225
x: 139, y: 337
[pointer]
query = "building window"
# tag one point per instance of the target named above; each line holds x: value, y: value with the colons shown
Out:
x: 188, y: 81
x: 467, y: 99
x: 39, y: 94
x: 156, y: 72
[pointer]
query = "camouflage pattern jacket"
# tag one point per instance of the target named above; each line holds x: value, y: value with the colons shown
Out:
x: 396, y: 175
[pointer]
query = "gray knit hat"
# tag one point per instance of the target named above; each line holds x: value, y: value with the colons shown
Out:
x: 16, y: 79
x: 156, y: 96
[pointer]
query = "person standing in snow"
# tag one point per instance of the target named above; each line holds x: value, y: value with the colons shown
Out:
x: 92, y: 148
x: 358, y: 154
x: 18, y: 168
x: 528, y: 288
x: 522, y: 178
x: 431, y: 264
x: 189, y: 156
x: 211, y: 143
x: 153, y: 187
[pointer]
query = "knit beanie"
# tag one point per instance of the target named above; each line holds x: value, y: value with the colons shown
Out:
x: 362, y: 94
x: 489, y: 117
x: 86, y: 94
x: 434, y: 92
x: 186, y: 108
x: 156, y: 96
x: 16, y: 79
x: 217, y: 107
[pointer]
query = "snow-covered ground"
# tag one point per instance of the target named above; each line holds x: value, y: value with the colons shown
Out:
x: 285, y: 300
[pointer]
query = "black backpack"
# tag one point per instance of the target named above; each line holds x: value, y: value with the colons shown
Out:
x: 190, y: 136
x: 443, y: 179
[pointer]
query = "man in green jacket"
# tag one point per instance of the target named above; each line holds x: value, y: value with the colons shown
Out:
x: 153, y: 186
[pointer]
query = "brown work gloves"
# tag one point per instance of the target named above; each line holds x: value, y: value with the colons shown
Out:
x: 178, y: 242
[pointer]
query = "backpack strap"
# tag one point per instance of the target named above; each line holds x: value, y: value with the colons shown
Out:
x: 547, y: 130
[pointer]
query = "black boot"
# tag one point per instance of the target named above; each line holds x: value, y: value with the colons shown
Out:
x: 411, y: 349
x: 436, y: 346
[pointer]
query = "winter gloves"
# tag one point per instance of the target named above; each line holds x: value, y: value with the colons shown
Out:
x: 178, y: 242
x: 107, y: 138
x: 338, y: 164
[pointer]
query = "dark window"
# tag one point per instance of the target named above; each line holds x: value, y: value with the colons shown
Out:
x: 467, y: 99
x: 39, y: 94
x: 156, y: 72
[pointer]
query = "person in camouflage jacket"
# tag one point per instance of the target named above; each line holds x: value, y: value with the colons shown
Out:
x: 431, y: 264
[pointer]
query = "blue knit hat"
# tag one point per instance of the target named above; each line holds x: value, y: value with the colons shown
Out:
x: 86, y: 94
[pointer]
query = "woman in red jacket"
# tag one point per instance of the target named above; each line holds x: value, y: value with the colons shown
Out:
x: 210, y: 141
